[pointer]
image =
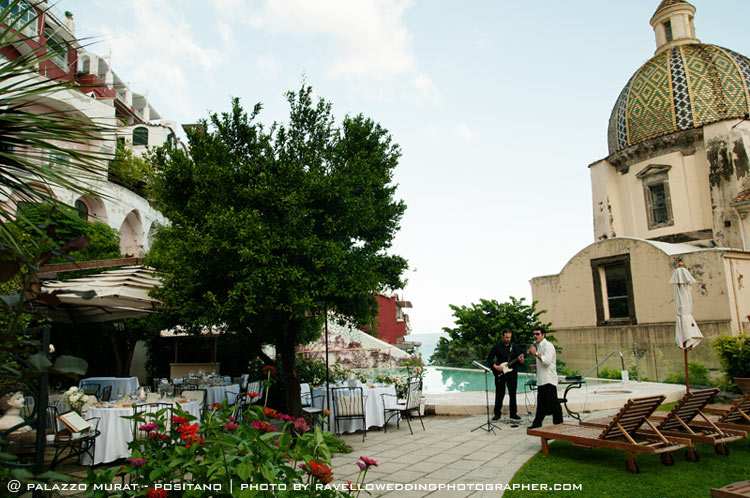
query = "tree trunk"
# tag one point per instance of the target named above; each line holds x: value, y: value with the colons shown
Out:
x: 286, y: 350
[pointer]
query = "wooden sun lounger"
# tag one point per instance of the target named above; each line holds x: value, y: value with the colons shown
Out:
x: 621, y: 434
x: 680, y: 423
x: 735, y: 490
x: 739, y: 410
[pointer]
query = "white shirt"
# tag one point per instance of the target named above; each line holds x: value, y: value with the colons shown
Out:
x: 546, y: 367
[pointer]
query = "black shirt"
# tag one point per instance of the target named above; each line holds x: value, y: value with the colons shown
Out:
x: 500, y: 353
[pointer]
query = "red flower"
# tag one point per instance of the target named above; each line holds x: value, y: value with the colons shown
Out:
x: 271, y: 413
x: 301, y: 425
x: 231, y: 426
x: 194, y: 439
x: 322, y: 472
x: 156, y: 493
x: 158, y: 435
x: 179, y: 420
x: 284, y: 416
x: 269, y: 370
x: 216, y: 406
x: 368, y: 461
x: 254, y: 395
x: 189, y: 434
x: 263, y: 426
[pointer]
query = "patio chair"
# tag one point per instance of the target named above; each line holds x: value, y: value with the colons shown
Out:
x: 736, y: 418
x: 679, y: 422
x: 349, y: 404
x: 151, y: 412
x: 407, y: 409
x: 739, y: 489
x: 244, y: 380
x: 91, y: 389
x: 255, y: 386
x: 308, y: 403
x: 106, y: 394
x: 88, y: 446
x: 621, y: 434
x: 742, y: 405
x: 198, y: 395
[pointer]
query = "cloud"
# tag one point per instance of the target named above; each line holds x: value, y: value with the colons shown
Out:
x: 156, y: 48
x: 425, y: 88
x: 226, y: 33
x: 369, y: 35
x: 267, y: 65
x: 463, y: 131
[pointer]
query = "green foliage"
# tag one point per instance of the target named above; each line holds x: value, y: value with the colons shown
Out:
x: 563, y: 369
x: 480, y: 326
x: 270, y: 226
x: 313, y: 371
x: 65, y: 226
x: 734, y: 357
x: 609, y: 373
x: 129, y: 170
x: 254, y: 446
x: 698, y: 372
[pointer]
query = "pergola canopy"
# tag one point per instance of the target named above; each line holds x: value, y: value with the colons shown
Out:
x: 107, y: 296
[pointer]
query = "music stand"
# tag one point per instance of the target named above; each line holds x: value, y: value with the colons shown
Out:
x: 488, y: 426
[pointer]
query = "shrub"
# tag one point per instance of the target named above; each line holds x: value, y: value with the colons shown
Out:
x: 734, y: 357
x: 609, y: 373
x: 698, y: 375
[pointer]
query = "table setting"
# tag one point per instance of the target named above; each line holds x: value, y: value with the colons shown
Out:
x: 372, y: 399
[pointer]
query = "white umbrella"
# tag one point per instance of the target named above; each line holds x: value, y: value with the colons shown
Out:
x: 687, y: 334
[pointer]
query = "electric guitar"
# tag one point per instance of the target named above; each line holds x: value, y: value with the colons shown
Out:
x: 505, y: 366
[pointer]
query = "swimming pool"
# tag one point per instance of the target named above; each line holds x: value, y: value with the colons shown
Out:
x: 438, y: 380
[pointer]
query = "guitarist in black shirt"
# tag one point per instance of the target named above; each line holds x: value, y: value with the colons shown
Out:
x: 503, y: 361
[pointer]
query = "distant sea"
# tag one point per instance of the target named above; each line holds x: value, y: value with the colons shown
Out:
x: 429, y: 342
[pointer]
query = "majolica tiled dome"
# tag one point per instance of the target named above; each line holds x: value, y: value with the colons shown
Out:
x: 683, y: 87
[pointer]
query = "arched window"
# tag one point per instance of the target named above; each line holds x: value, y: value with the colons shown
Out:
x: 85, y: 64
x: 140, y: 135
x: 83, y: 210
x: 171, y: 140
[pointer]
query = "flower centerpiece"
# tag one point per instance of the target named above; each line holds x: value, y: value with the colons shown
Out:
x: 76, y: 399
x: 414, y: 366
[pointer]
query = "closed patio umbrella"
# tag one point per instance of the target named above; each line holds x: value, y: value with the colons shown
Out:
x: 687, y: 333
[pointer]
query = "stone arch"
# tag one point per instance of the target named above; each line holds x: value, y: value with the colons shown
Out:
x: 85, y: 64
x: 131, y: 235
x: 12, y: 204
x: 151, y: 236
x: 95, y: 208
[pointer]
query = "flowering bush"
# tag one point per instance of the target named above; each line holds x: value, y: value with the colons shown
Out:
x: 224, y: 451
x: 76, y: 399
x: 414, y: 366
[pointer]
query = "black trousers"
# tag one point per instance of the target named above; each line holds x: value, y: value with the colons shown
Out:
x: 546, y: 404
x: 506, y: 380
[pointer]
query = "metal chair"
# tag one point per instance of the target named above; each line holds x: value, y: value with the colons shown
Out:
x: 152, y: 414
x: 406, y: 409
x: 349, y: 404
x: 88, y: 446
x: 308, y: 403
x: 92, y: 389
x: 106, y: 394
x: 198, y: 395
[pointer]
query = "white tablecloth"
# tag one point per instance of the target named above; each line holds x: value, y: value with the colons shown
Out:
x: 373, y: 408
x: 117, y: 432
x: 120, y: 385
x: 217, y: 394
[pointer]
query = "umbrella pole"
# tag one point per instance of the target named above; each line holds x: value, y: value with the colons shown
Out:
x: 327, y: 403
x: 687, y: 376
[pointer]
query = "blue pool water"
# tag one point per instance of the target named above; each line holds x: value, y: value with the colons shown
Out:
x: 438, y: 380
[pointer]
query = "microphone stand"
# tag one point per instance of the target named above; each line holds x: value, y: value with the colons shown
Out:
x: 487, y: 426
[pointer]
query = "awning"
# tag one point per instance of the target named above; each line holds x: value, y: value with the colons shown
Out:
x: 107, y: 296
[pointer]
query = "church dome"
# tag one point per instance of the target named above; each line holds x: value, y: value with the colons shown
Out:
x: 682, y: 87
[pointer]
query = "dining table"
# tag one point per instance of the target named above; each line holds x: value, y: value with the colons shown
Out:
x: 117, y: 432
x: 374, y: 416
x: 218, y: 393
x: 121, y: 386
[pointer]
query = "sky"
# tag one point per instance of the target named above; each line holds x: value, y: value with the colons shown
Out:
x: 498, y: 106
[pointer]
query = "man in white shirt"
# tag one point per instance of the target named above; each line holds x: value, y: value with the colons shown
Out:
x: 546, y: 380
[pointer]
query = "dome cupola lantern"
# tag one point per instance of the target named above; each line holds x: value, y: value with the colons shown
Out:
x: 673, y: 24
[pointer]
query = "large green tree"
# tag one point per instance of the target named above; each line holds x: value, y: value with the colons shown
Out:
x: 270, y: 226
x: 480, y: 326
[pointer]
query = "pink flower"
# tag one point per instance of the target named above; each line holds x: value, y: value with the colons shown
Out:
x: 286, y: 417
x: 361, y: 465
x: 149, y: 427
x: 301, y: 425
x: 138, y: 462
x: 231, y: 426
x: 368, y: 461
